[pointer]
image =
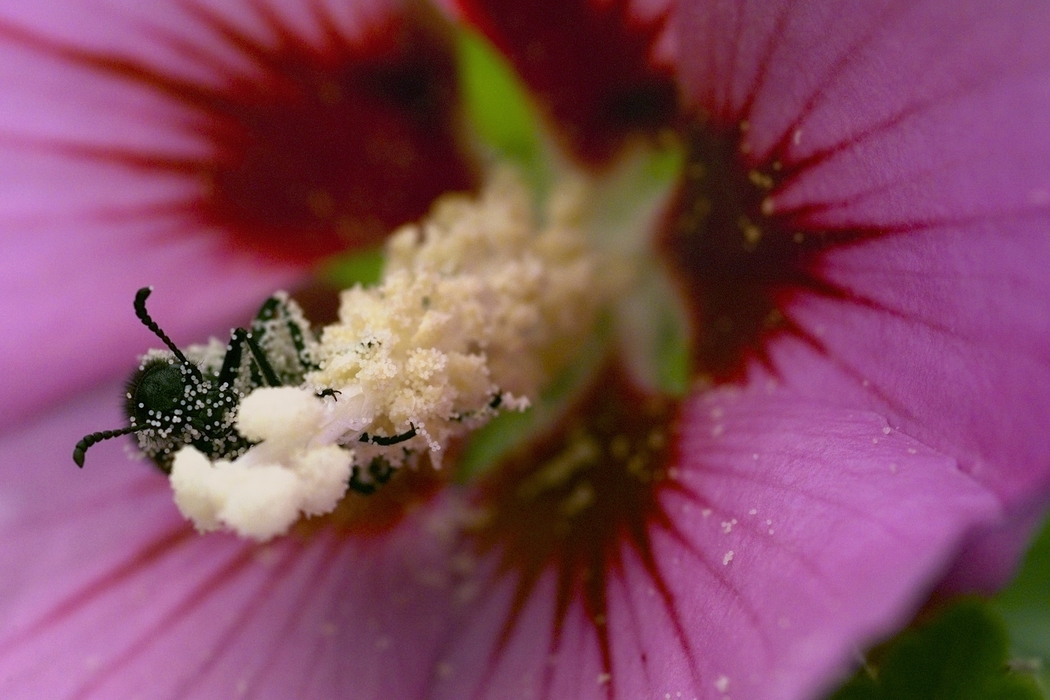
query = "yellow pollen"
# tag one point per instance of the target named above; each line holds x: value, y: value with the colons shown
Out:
x: 582, y: 452
x: 760, y: 179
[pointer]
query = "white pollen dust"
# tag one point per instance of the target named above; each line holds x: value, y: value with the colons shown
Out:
x: 477, y: 308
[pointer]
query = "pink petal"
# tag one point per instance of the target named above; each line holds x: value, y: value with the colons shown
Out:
x: 952, y: 343
x: 108, y: 593
x: 913, y: 133
x: 991, y: 556
x: 67, y: 277
x: 796, y: 533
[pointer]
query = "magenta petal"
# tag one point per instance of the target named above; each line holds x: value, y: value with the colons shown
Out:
x: 591, y: 66
x: 945, y: 331
x: 990, y: 557
x: 107, y: 593
x: 933, y: 144
x: 795, y: 533
x: 914, y: 133
x: 858, y: 517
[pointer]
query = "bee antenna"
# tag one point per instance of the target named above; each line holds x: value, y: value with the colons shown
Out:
x: 140, y: 311
x: 89, y: 440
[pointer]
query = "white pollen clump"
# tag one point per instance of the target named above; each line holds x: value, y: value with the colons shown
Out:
x: 262, y: 493
x: 322, y: 478
x: 279, y: 414
x: 256, y: 502
x: 477, y: 308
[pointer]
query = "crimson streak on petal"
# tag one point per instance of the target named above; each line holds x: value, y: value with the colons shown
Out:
x: 323, y: 145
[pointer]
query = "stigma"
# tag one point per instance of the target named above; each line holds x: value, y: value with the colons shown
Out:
x: 478, y: 307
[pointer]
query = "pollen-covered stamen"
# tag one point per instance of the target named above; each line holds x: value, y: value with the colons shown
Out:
x: 478, y: 307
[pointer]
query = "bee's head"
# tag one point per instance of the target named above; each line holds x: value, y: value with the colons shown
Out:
x: 156, y: 391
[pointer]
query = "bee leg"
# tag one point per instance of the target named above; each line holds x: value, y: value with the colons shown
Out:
x: 260, y: 360
x: 380, y: 470
x: 231, y: 363
x: 268, y: 311
x: 385, y: 441
x: 274, y: 309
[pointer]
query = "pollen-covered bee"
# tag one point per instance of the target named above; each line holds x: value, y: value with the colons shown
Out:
x: 178, y: 398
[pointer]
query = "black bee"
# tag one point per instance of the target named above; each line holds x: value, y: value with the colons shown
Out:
x: 178, y: 398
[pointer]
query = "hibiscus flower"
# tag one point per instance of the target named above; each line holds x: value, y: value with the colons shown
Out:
x: 859, y: 234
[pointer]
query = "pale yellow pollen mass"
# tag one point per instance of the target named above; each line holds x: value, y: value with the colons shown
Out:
x: 478, y: 305
x: 477, y: 308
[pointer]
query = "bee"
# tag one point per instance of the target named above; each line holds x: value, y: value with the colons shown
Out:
x: 178, y: 398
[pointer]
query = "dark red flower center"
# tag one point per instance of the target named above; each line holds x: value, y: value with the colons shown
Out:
x: 591, y: 64
x: 569, y: 501
x: 324, y: 144
x: 737, y: 258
